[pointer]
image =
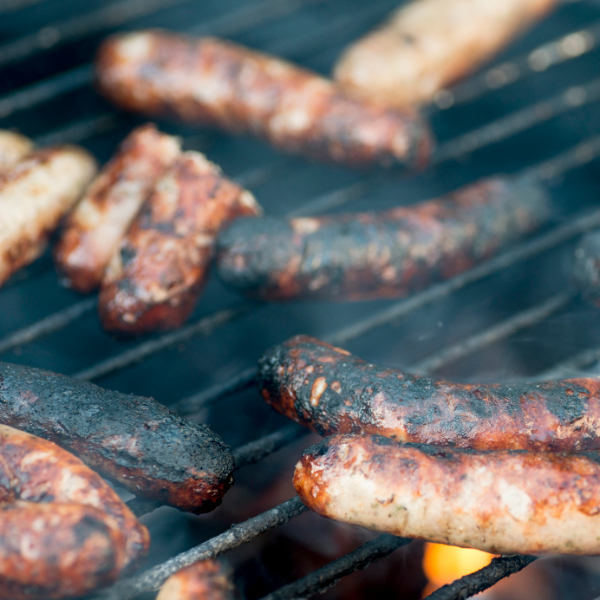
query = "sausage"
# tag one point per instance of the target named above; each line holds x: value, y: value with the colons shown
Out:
x: 501, y: 502
x: 330, y: 391
x: 94, y: 229
x: 13, y: 147
x: 154, y: 280
x: 218, y: 83
x: 64, y: 530
x: 205, y: 580
x: 133, y: 440
x: 586, y: 266
x: 35, y: 194
x: 383, y: 254
x: 427, y: 45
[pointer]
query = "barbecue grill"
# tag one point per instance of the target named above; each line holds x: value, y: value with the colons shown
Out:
x: 515, y: 316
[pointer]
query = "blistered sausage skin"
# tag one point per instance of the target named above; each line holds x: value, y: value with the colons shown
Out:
x: 214, y: 82
x: 94, y: 229
x: 427, y: 45
x: 35, y: 194
x: 13, y: 147
x: 133, y: 440
x: 64, y: 530
x: 154, y: 280
x: 501, y: 502
x: 205, y: 580
x: 379, y: 254
x: 331, y: 391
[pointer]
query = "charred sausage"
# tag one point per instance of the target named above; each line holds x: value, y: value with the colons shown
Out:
x: 153, y: 282
x: 502, y: 502
x: 214, y: 82
x: 133, y: 440
x: 64, y: 530
x: 99, y: 222
x: 330, y: 391
x: 205, y: 580
x: 35, y: 194
x: 427, y: 45
x: 379, y: 254
x: 13, y: 147
x: 586, y: 266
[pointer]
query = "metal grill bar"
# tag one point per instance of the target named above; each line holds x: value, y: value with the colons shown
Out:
x: 14, y: 5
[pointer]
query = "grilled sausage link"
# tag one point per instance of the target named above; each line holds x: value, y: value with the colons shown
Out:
x: 94, y: 229
x: 133, y: 440
x: 586, y: 266
x: 218, y: 83
x: 35, y: 194
x: 427, y: 45
x: 153, y: 282
x: 330, y: 391
x: 13, y: 147
x: 205, y: 580
x: 502, y: 502
x: 379, y: 254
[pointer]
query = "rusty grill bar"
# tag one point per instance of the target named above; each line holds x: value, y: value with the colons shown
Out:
x: 569, y: 46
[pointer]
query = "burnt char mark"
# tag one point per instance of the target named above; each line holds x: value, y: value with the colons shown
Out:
x: 133, y: 440
x: 371, y: 255
x: 330, y: 391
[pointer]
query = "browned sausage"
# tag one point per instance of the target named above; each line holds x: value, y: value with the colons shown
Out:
x: 64, y: 531
x: 153, y: 282
x: 136, y: 441
x: 35, y: 194
x: 427, y: 45
x: 13, y: 147
x: 379, y: 254
x: 205, y: 580
x: 502, y: 502
x: 330, y: 391
x: 213, y: 82
x: 94, y: 229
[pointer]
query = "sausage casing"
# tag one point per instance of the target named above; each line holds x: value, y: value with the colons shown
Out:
x: 218, y: 83
x: 133, y: 440
x: 501, y: 502
x: 35, y: 194
x: 94, y: 229
x: 205, y: 580
x: 13, y: 147
x: 331, y: 391
x: 153, y: 282
x: 427, y: 45
x: 379, y: 254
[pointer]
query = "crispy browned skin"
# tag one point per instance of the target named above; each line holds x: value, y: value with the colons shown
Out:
x: 136, y: 441
x: 153, y: 282
x: 13, y: 147
x: 64, y: 531
x: 205, y: 580
x: 218, y: 83
x: 379, y: 254
x: 35, y: 194
x: 503, y: 502
x: 330, y: 391
x: 94, y: 229
x: 427, y: 45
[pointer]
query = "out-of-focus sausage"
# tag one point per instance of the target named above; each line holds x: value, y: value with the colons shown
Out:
x: 64, y: 530
x: 379, y: 254
x: 133, y: 440
x: 13, y: 147
x: 427, y: 45
x: 331, y: 391
x: 501, y: 502
x: 205, y: 580
x: 214, y: 82
x: 94, y: 229
x: 153, y: 282
x: 586, y: 266
x: 35, y: 194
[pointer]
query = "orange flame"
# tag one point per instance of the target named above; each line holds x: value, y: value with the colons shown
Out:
x: 444, y: 564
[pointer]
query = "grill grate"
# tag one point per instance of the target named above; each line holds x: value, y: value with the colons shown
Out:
x: 312, y: 32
